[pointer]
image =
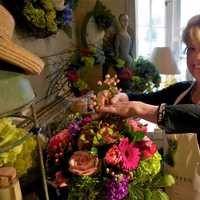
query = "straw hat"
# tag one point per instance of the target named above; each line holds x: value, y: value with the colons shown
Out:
x: 12, y: 53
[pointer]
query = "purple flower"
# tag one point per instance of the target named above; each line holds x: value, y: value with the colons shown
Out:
x: 68, y: 13
x: 86, y: 120
x: 74, y: 129
x: 117, y: 190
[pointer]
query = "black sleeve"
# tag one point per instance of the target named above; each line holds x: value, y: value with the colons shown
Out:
x: 182, y: 118
x: 167, y: 95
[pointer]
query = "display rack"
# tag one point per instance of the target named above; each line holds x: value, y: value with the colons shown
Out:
x: 37, y: 122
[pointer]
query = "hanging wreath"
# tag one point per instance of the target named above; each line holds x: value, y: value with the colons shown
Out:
x: 103, y: 19
x: 78, y: 74
x: 42, y: 18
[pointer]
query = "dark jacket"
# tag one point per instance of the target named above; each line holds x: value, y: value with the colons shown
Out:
x: 181, y: 118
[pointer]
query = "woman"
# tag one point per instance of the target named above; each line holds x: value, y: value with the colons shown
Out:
x: 187, y: 157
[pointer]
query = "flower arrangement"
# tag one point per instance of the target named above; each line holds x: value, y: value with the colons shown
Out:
x: 108, y: 158
x: 75, y: 72
x: 42, y: 17
x: 141, y: 76
x: 82, y: 59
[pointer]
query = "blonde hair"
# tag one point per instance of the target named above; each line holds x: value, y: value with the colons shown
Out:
x: 191, y: 33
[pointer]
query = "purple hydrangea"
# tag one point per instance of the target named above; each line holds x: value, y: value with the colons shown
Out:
x: 117, y: 190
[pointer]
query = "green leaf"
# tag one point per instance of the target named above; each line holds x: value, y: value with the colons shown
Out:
x: 94, y: 151
x: 138, y: 136
x: 99, y: 136
x: 135, y: 192
x: 95, y: 140
x: 159, y: 195
x: 163, y: 180
x: 148, y: 194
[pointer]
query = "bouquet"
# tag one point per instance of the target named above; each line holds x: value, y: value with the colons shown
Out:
x: 109, y: 158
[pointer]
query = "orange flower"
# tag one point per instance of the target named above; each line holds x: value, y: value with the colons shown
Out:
x: 113, y: 155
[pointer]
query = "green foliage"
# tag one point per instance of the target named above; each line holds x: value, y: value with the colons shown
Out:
x: 43, y: 17
x: 135, y: 192
x: 85, y: 187
x: 146, y: 76
x: 139, y: 193
x: 134, y: 136
x: 163, y: 180
x: 159, y: 195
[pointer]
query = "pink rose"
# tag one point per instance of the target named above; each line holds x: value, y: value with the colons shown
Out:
x: 147, y: 147
x: 83, y: 163
x: 58, y: 141
x: 136, y: 126
x: 113, y: 155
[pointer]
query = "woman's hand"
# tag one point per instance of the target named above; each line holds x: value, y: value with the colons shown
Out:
x: 122, y: 108
x: 131, y: 109
x: 104, y: 98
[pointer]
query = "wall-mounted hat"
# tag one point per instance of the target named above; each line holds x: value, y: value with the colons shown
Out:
x: 11, y: 52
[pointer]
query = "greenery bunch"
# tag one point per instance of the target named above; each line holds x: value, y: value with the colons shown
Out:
x: 146, y: 76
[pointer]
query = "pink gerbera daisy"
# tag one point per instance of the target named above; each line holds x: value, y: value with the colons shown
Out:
x: 130, y: 155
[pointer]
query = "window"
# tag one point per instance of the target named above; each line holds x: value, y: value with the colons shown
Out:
x: 150, y: 25
x: 160, y: 23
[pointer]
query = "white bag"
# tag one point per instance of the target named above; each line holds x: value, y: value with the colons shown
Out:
x: 187, y: 168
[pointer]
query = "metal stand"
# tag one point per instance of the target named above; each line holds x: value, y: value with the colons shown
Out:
x: 40, y: 155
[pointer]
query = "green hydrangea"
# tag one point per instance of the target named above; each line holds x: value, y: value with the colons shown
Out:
x: 148, y: 168
x: 35, y: 16
x: 43, y: 17
x: 50, y: 16
x: 20, y: 156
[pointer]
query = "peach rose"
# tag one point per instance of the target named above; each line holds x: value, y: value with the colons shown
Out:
x: 110, y: 135
x: 83, y: 163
